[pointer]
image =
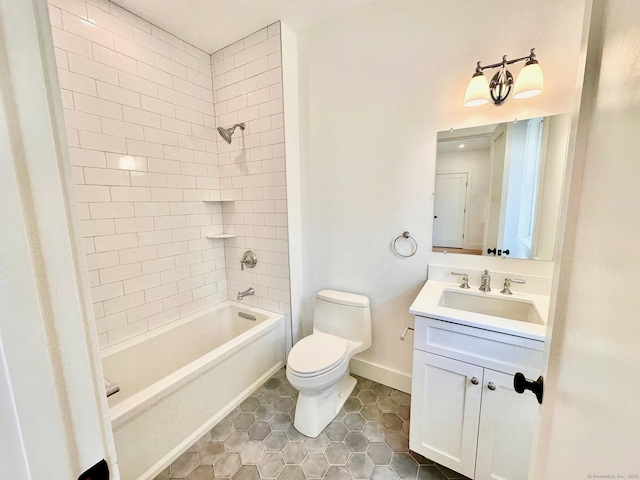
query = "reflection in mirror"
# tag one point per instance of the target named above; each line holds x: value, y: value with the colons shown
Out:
x: 498, y: 188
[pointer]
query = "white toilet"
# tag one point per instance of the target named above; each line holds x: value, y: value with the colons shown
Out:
x: 318, y: 365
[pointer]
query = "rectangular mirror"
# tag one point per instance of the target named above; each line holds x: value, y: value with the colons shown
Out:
x: 498, y: 188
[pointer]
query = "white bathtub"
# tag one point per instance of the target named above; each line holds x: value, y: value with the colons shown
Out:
x: 178, y: 381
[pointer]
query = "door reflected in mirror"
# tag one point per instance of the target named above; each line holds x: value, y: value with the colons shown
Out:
x: 498, y: 188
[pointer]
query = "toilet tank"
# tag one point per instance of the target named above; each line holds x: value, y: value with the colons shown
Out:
x: 345, y: 315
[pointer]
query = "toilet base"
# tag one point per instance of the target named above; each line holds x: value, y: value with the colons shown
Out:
x: 315, y: 412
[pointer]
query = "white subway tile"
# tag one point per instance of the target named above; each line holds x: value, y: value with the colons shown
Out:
x: 131, y: 225
x: 114, y: 59
x: 107, y: 143
x: 96, y: 106
x: 109, y: 22
x: 130, y: 194
x: 144, y: 311
x: 137, y: 254
x: 257, y: 37
x: 172, y: 249
x: 154, y: 105
x: 167, y: 37
x: 154, y: 75
x: 110, y: 210
x: 151, y: 209
x: 146, y: 179
x: 122, y: 129
x: 89, y: 68
x: 146, y: 149
x: 184, y: 58
x: 193, y: 143
x: 141, y: 283
x: 115, y: 242
x: 87, y: 158
x: 137, y: 84
x: 121, y: 272
x: 126, y: 162
x: 169, y: 66
x: 141, y: 117
x: 177, y: 300
x: 105, y: 292
x: 174, y: 275
x: 103, y: 176
x: 92, y: 193
x: 133, y: 50
x: 152, y: 43
x: 273, y: 29
x: 169, y: 222
x: 162, y: 137
x: 163, y: 166
x: 155, y: 238
x: 102, y: 260
x: 70, y: 42
x: 82, y: 121
x: 233, y: 48
x: 61, y: 59
x: 71, y: 6
x: 201, y: 106
x: 176, y: 126
x: 173, y: 96
x: 86, y: 29
x: 111, y: 322
x: 76, y: 82
x: 166, y: 194
x: 163, y: 318
x: 187, y: 87
x: 158, y: 293
x: 182, y: 234
x: 127, y: 332
x: 176, y: 153
x: 94, y: 228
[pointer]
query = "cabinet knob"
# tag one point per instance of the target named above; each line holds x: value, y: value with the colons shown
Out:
x: 491, y: 386
x: 475, y: 381
x: 520, y: 384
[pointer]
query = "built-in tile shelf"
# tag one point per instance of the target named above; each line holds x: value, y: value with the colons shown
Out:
x: 220, y: 200
x: 222, y: 235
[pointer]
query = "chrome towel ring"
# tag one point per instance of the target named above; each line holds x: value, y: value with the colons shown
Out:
x: 408, y: 236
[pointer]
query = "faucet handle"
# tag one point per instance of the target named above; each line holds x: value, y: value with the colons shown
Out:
x: 465, y: 279
x: 506, y: 290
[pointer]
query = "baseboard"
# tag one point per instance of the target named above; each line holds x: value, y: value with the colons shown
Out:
x: 165, y: 461
x: 378, y: 373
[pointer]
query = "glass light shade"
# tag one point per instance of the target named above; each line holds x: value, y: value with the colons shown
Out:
x: 529, y: 82
x: 477, y: 91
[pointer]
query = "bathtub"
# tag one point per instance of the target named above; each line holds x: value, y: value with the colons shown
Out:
x: 179, y: 380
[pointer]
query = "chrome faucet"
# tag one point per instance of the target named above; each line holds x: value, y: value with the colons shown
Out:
x: 246, y: 293
x: 485, y: 282
x: 506, y: 290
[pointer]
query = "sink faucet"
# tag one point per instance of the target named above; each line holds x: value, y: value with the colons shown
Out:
x: 485, y: 282
x: 246, y: 293
x: 506, y: 290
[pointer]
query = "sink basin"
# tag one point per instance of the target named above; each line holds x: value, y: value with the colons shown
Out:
x: 490, y: 305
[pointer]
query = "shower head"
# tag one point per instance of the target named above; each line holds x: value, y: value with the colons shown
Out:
x: 226, y: 133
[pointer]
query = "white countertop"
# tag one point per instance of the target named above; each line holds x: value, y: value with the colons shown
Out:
x: 426, y: 305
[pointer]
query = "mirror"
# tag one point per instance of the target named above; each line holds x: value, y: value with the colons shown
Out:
x: 498, y: 188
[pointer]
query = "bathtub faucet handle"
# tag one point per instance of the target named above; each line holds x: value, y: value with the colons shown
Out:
x: 250, y: 259
x: 246, y: 293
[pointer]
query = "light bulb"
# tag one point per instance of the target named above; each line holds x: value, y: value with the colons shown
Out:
x: 477, y: 91
x: 530, y: 81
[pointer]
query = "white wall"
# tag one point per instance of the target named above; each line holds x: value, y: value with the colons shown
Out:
x: 477, y: 165
x: 247, y: 78
x: 139, y: 114
x: 590, y: 417
x: 376, y: 85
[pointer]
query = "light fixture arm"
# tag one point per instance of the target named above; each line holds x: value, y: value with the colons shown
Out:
x: 505, y: 62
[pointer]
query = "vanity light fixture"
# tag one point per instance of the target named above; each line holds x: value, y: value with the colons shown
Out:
x: 528, y: 84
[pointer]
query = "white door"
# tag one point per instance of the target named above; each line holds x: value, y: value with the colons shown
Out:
x: 449, y: 210
x: 590, y: 417
x: 446, y: 399
x: 507, y: 424
x: 498, y: 155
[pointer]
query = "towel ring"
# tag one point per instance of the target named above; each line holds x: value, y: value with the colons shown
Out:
x: 405, y: 235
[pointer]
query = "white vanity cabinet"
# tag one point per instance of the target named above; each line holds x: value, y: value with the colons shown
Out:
x: 465, y: 413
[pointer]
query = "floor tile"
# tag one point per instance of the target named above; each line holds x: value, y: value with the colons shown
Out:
x: 367, y: 439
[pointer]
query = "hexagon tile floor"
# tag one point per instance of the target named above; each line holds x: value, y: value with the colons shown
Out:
x: 368, y: 439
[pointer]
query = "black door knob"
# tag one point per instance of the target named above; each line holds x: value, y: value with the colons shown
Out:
x: 490, y: 251
x: 520, y: 384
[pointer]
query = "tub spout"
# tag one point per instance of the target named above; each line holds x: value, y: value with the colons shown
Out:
x: 246, y: 293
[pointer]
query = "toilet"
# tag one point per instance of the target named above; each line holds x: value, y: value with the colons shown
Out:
x: 318, y: 365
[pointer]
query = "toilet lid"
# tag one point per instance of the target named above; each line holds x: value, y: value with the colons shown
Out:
x: 316, y: 354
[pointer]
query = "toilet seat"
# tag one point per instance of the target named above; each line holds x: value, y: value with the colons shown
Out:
x: 316, y: 354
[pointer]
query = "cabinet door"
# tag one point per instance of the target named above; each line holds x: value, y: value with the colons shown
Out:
x: 507, y: 423
x: 445, y: 410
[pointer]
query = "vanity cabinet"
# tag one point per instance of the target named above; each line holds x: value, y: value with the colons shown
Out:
x: 465, y: 413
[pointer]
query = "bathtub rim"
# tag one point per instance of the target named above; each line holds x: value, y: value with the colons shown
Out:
x: 139, y: 402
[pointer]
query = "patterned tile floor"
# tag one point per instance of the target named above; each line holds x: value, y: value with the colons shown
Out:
x: 368, y: 439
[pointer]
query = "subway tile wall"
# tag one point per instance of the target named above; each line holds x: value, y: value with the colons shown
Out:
x: 247, y: 85
x: 139, y: 111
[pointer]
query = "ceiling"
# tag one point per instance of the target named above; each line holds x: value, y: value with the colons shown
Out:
x: 213, y: 24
